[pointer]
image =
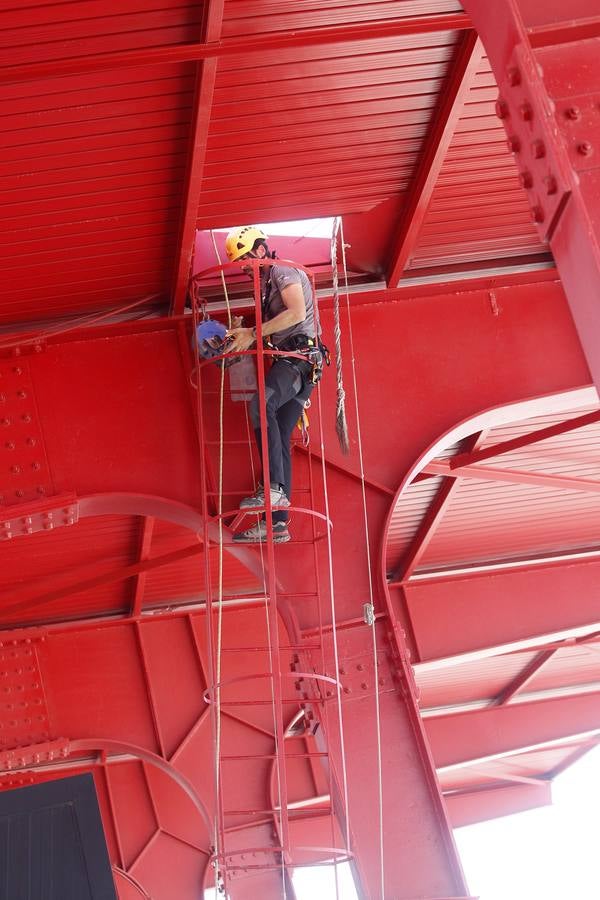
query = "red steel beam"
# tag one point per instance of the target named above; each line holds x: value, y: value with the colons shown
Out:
x: 472, y: 737
x: 547, y: 103
x: 140, y: 578
x: 524, y: 677
x: 515, y: 476
x: 525, y: 440
x: 452, y: 99
x: 429, y: 525
x: 524, y: 610
x: 484, y: 803
x: 105, y: 578
x: 203, y: 99
x: 193, y: 52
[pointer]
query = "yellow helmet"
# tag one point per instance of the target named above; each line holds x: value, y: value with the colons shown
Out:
x: 241, y: 241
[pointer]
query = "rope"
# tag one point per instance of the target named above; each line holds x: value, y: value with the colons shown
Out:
x: 220, y: 581
x: 341, y: 426
x: 369, y: 567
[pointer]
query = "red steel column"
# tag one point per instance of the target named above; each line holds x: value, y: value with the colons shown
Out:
x: 544, y: 57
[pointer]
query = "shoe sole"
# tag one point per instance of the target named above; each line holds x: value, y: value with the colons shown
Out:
x: 280, y: 539
x: 283, y: 504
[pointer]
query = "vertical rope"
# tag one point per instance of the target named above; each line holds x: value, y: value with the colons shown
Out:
x: 341, y: 425
x: 220, y: 584
x: 369, y: 568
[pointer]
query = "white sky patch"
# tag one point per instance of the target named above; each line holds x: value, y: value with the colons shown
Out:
x: 549, y: 853
x: 306, y: 228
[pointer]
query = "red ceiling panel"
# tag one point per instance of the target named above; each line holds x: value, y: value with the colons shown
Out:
x: 492, y: 520
x: 479, y: 209
x: 351, y: 115
x: 92, y: 167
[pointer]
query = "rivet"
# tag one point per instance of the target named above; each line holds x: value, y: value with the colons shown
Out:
x: 513, y: 76
x: 5, y: 421
x: 41, y: 489
x: 364, y: 685
x: 382, y: 681
x: 347, y: 690
x: 538, y: 149
x: 17, y: 369
x: 19, y: 493
x: 38, y: 348
x: 2, y: 398
x: 36, y: 466
x: 526, y: 179
x: 26, y: 418
x: 538, y: 214
x: 21, y: 395
x: 10, y: 445
x: 360, y: 667
x: 48, y: 526
x: 502, y: 110
x: 526, y: 112
x: 31, y: 442
x: 551, y: 185
x: 585, y: 148
x: 514, y: 144
x: 342, y: 671
x: 15, y: 469
x: 573, y: 113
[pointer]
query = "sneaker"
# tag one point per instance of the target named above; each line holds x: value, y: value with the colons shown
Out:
x: 257, y: 501
x: 258, y: 534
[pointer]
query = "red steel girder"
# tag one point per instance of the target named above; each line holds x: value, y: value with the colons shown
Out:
x: 452, y: 99
x: 524, y: 609
x: 428, y: 526
x: 140, y: 579
x: 515, y: 476
x: 525, y: 440
x: 177, y: 53
x: 548, y: 103
x: 524, y: 677
x: 480, y: 804
x: 202, y: 106
x: 468, y: 738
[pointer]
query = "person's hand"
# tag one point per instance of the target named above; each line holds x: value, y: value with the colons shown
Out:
x: 243, y: 338
x: 236, y: 322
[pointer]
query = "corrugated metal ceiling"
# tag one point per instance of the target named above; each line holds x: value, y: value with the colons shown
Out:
x: 94, y: 166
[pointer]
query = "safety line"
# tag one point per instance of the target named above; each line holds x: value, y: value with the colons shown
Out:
x: 220, y: 557
x: 369, y: 566
x: 332, y: 607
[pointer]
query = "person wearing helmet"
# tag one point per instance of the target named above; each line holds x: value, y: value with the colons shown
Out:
x: 289, y: 322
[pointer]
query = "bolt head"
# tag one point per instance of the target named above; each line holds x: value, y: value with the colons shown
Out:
x: 513, y: 76
x: 573, y: 113
x: 585, y: 148
x: 538, y: 214
x: 514, y: 144
x: 551, y: 185
x: 502, y: 110
x: 538, y: 149
x: 526, y: 180
x: 526, y: 112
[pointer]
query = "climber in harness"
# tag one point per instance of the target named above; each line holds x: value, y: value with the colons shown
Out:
x: 289, y: 324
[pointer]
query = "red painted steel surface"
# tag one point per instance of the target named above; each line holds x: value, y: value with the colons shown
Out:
x: 125, y: 127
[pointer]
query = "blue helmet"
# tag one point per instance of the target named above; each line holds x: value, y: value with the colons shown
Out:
x: 210, y: 337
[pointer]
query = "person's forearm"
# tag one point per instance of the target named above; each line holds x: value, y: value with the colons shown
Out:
x: 282, y: 320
